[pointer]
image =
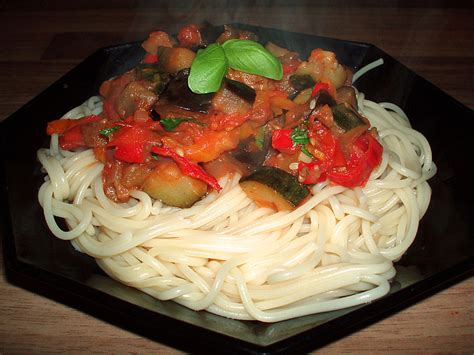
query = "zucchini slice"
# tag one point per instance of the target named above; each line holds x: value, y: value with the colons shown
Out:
x: 274, y: 188
x: 167, y: 184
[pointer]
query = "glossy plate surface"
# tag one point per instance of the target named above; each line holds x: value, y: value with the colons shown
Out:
x: 442, y: 253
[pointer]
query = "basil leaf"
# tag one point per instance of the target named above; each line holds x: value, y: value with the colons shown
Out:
x: 108, y: 131
x: 169, y: 124
x: 207, y: 70
x: 251, y: 57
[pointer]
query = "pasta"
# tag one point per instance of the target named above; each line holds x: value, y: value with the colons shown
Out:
x: 230, y: 257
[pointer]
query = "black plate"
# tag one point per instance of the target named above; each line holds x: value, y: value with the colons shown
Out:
x: 442, y: 253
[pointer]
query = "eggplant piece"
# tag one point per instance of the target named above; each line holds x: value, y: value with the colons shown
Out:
x: 153, y: 73
x: 347, y: 94
x: 137, y: 95
x: 209, y: 34
x: 324, y: 98
x: 253, y: 150
x: 178, y: 93
x: 155, y: 116
x: 347, y: 119
x: 161, y: 85
x: 301, y: 82
x: 147, y: 71
x: 231, y: 32
x: 242, y: 90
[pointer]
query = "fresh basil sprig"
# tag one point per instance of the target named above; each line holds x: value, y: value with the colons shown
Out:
x: 211, y: 64
x: 207, y: 70
x: 170, y: 124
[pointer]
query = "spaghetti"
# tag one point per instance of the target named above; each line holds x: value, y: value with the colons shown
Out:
x: 230, y: 257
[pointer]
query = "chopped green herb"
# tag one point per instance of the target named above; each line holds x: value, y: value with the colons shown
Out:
x: 160, y: 87
x: 147, y: 71
x: 170, y: 124
x: 300, y: 136
x: 108, y: 131
x: 305, y: 151
x: 260, y: 137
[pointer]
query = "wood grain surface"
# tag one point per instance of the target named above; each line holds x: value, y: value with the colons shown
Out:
x: 42, y: 40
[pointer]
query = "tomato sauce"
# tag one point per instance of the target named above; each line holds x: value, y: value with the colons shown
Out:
x: 306, y: 123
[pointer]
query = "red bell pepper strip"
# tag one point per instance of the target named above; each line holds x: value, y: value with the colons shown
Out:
x: 129, y: 134
x: 325, y: 141
x: 366, y: 155
x: 72, y: 139
x: 318, y: 87
x: 187, y: 167
x: 281, y: 140
x: 131, y: 153
x: 131, y: 143
x: 69, y: 130
x: 61, y: 126
x: 326, y: 86
x: 150, y: 58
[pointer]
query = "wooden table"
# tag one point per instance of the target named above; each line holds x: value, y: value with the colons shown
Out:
x: 40, y: 41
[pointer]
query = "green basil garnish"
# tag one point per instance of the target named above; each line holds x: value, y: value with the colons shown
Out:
x: 207, y: 70
x: 210, y: 65
x: 251, y: 57
x: 108, y: 131
x: 170, y: 124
